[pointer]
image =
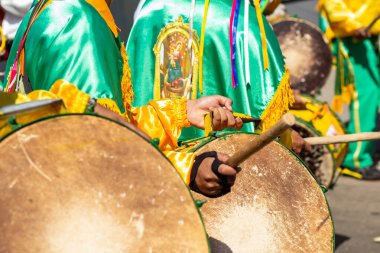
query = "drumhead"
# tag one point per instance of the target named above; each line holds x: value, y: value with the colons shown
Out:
x: 307, y: 53
x: 276, y: 205
x: 82, y: 183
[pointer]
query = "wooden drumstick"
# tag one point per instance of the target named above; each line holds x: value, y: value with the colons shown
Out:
x: 286, y: 122
x: 344, y: 138
x: 372, y: 23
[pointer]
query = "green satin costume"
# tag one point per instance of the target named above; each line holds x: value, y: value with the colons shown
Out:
x: 249, y: 98
x: 73, y: 54
x: 358, y: 71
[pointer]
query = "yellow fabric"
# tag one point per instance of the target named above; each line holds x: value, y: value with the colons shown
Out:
x: 346, y: 16
x: 279, y: 105
x: 182, y: 162
x: 164, y: 120
x: 104, y: 11
x: 286, y: 139
x: 202, y: 45
x: 74, y: 99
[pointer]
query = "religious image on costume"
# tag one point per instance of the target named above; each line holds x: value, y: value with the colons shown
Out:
x: 176, y: 66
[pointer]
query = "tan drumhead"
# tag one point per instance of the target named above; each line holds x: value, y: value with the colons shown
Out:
x: 275, y: 205
x: 82, y: 183
x: 307, y: 53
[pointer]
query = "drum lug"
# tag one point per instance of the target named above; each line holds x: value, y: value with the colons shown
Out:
x: 199, y: 203
x: 324, y: 189
x: 155, y: 142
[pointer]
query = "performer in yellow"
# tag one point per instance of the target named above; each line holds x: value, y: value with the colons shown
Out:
x: 352, y: 28
x: 65, y: 55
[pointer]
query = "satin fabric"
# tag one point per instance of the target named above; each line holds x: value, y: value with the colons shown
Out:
x: 346, y: 16
x: 340, y: 18
x: 75, y: 42
x: 252, y: 98
x: 62, y: 44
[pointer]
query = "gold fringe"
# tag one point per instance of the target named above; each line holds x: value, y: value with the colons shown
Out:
x: 109, y: 104
x: 337, y: 104
x: 126, y: 82
x: 280, y: 103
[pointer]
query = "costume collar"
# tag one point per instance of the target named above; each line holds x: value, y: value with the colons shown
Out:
x: 104, y: 11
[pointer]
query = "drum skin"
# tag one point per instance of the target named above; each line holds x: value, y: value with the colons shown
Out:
x: 307, y: 53
x: 276, y: 205
x: 82, y: 183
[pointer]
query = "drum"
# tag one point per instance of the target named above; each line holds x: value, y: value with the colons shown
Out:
x: 317, y: 119
x: 83, y: 183
x: 307, y: 53
x: 276, y: 205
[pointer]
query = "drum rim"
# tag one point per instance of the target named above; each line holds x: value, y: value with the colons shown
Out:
x: 322, y: 188
x: 301, y: 20
x: 197, y: 205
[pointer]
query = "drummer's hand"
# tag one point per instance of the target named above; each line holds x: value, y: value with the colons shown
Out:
x: 221, y: 108
x: 299, y: 103
x: 208, y: 183
x: 362, y: 33
x: 117, y: 117
x: 299, y: 144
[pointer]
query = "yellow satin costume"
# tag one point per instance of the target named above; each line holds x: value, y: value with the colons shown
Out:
x: 346, y: 16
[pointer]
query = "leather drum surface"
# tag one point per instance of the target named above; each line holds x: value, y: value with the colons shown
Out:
x: 82, y: 183
x: 276, y: 205
x: 307, y: 53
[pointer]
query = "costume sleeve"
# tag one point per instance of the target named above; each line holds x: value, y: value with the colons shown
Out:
x: 342, y: 20
x: 164, y: 120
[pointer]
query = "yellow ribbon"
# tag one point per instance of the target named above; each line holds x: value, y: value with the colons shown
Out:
x: 202, y: 46
x: 263, y: 35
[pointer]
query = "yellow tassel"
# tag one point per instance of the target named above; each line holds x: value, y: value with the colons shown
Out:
x: 337, y: 104
x: 263, y: 35
x: 208, y: 124
x: 126, y: 82
x: 280, y: 103
x: 109, y: 104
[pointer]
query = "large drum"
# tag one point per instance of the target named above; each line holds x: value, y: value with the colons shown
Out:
x: 276, y: 205
x: 83, y: 183
x: 315, y: 120
x: 307, y: 53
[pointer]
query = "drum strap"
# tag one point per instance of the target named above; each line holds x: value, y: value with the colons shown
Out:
x: 17, y: 72
x: 214, y: 167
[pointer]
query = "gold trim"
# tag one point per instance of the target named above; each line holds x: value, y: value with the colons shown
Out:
x: 182, y: 28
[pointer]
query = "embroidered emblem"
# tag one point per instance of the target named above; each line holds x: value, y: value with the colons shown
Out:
x: 176, y: 67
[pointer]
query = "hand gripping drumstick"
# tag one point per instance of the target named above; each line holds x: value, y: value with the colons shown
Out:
x: 286, y: 122
x: 344, y: 138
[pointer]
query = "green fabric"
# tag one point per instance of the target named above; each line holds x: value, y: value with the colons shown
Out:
x: 71, y: 41
x: 251, y: 99
x: 365, y: 61
x: 344, y: 70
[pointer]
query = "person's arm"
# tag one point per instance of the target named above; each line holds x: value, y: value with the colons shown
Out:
x: 342, y: 20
